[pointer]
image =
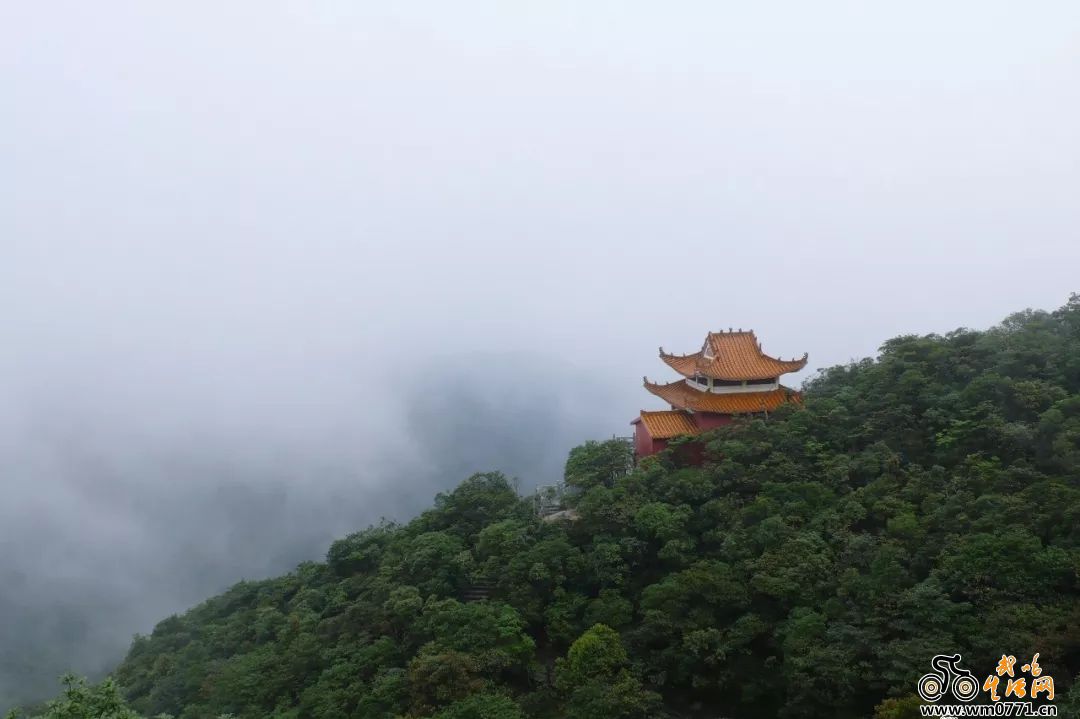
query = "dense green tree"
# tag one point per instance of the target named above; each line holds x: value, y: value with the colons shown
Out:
x: 596, y: 680
x: 83, y: 701
x: 482, y: 706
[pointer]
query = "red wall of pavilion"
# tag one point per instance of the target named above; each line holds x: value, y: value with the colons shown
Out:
x: 708, y: 420
x: 644, y: 444
x: 642, y: 440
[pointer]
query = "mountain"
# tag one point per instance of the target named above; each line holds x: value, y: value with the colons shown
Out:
x: 924, y: 502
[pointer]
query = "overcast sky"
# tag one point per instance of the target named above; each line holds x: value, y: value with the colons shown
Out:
x: 270, y: 270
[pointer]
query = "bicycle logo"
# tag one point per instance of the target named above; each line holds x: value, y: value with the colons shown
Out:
x: 948, y: 677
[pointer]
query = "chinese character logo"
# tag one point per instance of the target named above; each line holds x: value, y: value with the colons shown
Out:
x: 948, y: 677
x: 1017, y: 686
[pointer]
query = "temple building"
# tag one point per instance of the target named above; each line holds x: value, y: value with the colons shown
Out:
x: 729, y: 376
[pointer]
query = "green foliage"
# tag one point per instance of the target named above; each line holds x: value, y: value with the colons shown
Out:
x: 926, y: 501
x: 906, y: 708
x: 597, y: 464
x: 596, y: 654
x: 596, y: 681
x: 482, y: 706
x: 82, y: 701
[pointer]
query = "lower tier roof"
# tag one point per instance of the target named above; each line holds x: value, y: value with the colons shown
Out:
x: 682, y: 396
x: 668, y: 423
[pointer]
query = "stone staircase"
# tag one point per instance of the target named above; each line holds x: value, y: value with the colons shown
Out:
x: 480, y: 590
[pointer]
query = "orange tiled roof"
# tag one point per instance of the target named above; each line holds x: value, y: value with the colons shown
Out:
x: 682, y: 396
x: 735, y: 356
x: 669, y: 423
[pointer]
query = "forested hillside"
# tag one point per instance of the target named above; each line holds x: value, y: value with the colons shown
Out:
x: 923, y: 502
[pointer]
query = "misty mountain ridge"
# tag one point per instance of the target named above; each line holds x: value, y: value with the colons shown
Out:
x: 924, y: 501
x: 136, y: 519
